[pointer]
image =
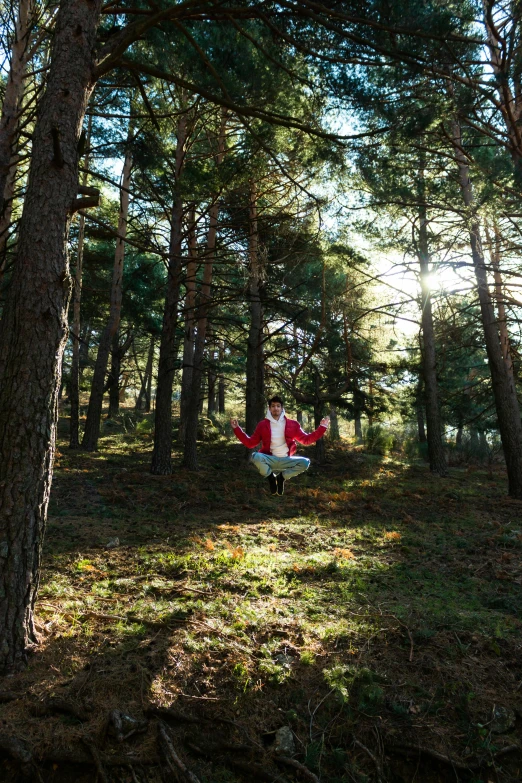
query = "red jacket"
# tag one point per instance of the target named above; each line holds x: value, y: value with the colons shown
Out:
x: 293, y: 433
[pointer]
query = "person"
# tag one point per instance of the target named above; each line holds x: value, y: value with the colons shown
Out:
x: 278, y: 435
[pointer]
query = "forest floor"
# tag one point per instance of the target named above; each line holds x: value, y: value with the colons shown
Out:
x: 373, y: 610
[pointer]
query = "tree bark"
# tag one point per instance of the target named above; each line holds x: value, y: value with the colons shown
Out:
x: 33, y: 330
x: 189, y: 332
x: 143, y: 401
x: 436, y: 455
x: 161, y: 456
x: 190, y: 456
x: 419, y: 407
x: 9, y: 122
x: 85, y: 340
x: 114, y: 377
x: 335, y: 435
x: 255, y: 370
x: 494, y: 250
x: 94, y: 411
x: 14, y: 90
x: 357, y: 408
x: 504, y: 390
x: 74, y: 389
x: 211, y: 381
x: 460, y: 432
x: 319, y: 449
x: 221, y: 383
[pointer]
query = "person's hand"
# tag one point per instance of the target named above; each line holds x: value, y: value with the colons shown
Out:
x: 234, y: 423
x: 325, y: 422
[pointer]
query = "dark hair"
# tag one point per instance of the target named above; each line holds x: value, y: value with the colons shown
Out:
x: 275, y: 399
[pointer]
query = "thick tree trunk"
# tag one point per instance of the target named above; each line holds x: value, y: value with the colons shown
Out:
x: 94, y: 411
x: 74, y: 389
x: 161, y: 456
x: 190, y: 456
x: 436, y: 453
x: 190, y: 324
x: 504, y: 389
x: 33, y: 330
x: 255, y: 370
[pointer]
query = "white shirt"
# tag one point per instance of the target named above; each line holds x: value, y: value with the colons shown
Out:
x: 278, y: 445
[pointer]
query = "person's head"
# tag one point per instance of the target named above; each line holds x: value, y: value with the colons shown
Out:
x: 275, y: 406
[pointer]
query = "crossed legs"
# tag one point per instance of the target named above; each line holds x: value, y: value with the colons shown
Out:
x: 287, y: 466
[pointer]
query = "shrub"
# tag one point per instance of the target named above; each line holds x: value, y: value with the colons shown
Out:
x: 377, y: 440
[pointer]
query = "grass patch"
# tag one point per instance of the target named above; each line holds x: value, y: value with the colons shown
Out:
x: 371, y: 601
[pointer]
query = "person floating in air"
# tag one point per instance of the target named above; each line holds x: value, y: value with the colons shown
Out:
x: 278, y: 435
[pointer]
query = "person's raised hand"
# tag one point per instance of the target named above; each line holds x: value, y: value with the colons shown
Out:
x: 325, y: 422
x: 234, y: 423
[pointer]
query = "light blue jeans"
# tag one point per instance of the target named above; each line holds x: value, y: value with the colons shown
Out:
x: 288, y: 466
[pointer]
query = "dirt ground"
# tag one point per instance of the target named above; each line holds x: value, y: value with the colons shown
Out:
x: 363, y: 627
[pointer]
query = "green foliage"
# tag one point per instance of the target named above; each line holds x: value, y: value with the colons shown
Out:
x: 378, y: 440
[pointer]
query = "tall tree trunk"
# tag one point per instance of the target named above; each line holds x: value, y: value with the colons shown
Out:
x: 9, y: 122
x: 420, y: 407
x: 143, y: 401
x: 494, y: 250
x: 503, y: 382
x: 14, y: 90
x: 319, y: 449
x: 460, y: 432
x: 189, y: 331
x: 436, y: 454
x: 335, y: 435
x: 85, y: 341
x: 33, y: 330
x: 255, y: 370
x: 190, y: 456
x: 94, y: 411
x: 357, y: 410
x: 221, y: 382
x: 114, y: 377
x: 74, y: 389
x: 370, y: 401
x: 211, y: 380
x: 161, y: 456
x: 6, y: 215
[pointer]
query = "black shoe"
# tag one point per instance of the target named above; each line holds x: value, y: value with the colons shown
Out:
x: 280, y: 484
x: 273, y: 484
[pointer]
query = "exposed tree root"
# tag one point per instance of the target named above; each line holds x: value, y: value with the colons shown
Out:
x: 171, y: 757
x: 287, y: 762
x: 457, y: 763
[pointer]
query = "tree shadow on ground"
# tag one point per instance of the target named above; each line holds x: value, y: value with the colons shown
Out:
x: 373, y: 610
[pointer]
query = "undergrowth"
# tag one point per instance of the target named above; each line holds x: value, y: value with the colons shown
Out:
x: 373, y: 610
